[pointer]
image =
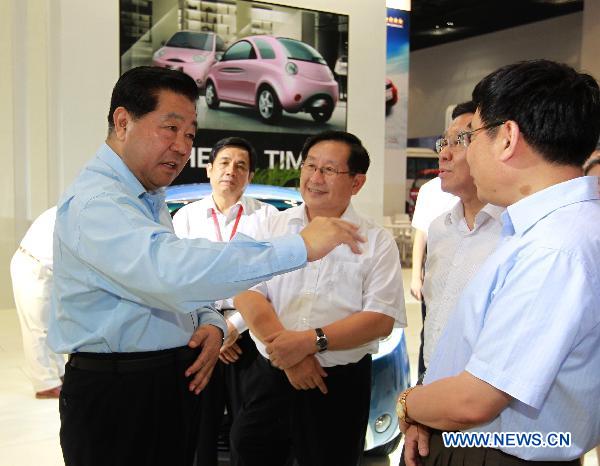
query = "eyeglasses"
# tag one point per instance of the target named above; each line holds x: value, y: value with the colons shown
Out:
x: 446, y: 142
x: 463, y: 138
x: 311, y: 168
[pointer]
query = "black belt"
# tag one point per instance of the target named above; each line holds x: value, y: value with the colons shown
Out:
x: 131, y: 362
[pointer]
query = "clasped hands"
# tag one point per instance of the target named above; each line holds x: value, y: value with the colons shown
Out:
x: 293, y: 352
x: 416, y: 442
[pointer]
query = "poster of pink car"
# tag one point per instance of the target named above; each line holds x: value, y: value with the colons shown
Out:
x: 273, y: 74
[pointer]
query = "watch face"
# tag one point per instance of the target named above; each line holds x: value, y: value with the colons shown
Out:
x: 322, y: 343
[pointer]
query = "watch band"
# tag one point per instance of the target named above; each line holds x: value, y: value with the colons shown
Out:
x: 401, y: 406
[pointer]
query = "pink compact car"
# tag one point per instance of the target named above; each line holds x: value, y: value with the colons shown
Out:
x: 273, y: 74
x: 190, y: 52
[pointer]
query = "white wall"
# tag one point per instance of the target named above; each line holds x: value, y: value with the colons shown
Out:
x: 447, y: 74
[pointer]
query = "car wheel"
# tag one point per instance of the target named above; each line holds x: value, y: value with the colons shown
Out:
x: 322, y: 115
x: 210, y: 95
x: 387, y: 448
x: 268, y: 105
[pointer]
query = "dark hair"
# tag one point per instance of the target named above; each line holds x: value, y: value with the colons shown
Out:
x: 234, y: 142
x: 137, y: 90
x: 462, y: 108
x: 358, y: 160
x: 557, y: 109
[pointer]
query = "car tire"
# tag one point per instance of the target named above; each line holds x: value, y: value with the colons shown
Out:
x: 387, y: 448
x: 268, y: 106
x: 210, y: 96
x: 322, y: 115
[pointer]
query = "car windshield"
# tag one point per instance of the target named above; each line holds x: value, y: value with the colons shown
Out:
x: 192, y: 40
x: 300, y: 51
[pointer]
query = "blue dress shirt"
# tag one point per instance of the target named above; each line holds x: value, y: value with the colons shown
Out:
x: 529, y: 321
x: 124, y: 282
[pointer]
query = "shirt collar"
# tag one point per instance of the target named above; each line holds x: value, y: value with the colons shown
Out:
x: 111, y: 158
x: 298, y: 215
x: 456, y: 215
x: 524, y: 214
x: 212, y: 205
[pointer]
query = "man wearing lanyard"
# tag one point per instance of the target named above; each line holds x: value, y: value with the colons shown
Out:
x: 518, y: 362
x: 218, y: 217
x: 128, y: 293
x: 309, y: 391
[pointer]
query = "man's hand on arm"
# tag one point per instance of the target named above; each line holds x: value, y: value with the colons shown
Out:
x: 307, y: 374
x: 323, y: 234
x: 209, y: 338
x: 230, y: 350
x: 230, y: 354
x: 416, y: 443
x: 287, y: 348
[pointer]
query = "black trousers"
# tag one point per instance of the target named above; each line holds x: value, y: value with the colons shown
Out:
x: 278, y: 423
x: 129, y: 409
x: 227, y: 387
x: 439, y: 455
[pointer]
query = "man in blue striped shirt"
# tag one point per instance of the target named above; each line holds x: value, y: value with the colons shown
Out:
x: 520, y: 351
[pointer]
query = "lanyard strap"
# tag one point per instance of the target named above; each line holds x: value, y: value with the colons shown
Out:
x: 235, y: 225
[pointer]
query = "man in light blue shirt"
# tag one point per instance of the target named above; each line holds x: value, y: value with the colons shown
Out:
x: 127, y: 290
x: 520, y: 353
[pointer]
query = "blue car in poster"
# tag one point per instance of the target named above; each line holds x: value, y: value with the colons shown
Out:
x: 390, y: 374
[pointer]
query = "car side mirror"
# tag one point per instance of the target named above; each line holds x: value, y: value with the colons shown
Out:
x: 219, y: 56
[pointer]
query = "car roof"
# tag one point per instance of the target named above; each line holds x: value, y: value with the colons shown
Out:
x: 195, y: 191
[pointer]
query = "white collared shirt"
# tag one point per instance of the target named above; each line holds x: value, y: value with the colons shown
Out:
x: 195, y: 221
x: 454, y: 254
x: 338, y: 285
x: 431, y: 203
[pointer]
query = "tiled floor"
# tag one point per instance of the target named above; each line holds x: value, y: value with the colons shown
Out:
x: 29, y: 427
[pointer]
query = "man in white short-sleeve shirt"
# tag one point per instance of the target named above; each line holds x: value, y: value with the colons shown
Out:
x: 316, y: 330
x: 459, y: 240
x: 218, y: 217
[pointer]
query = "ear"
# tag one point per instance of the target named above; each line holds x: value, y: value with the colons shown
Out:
x: 508, y: 138
x: 250, y: 176
x: 358, y: 182
x: 121, y: 119
x: 209, y: 168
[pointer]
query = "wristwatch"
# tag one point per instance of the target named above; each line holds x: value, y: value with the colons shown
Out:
x: 401, y: 406
x: 321, y: 340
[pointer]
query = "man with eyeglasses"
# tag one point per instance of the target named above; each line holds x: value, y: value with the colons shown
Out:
x: 316, y: 329
x: 520, y: 353
x: 218, y: 217
x: 461, y: 239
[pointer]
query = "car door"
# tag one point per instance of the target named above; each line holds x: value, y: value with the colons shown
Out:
x: 232, y: 75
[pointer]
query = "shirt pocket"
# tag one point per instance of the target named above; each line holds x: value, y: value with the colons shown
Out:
x: 344, y: 286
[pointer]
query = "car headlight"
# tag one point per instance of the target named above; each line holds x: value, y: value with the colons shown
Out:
x: 382, y: 423
x: 159, y: 53
x: 199, y: 58
x: 291, y: 68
